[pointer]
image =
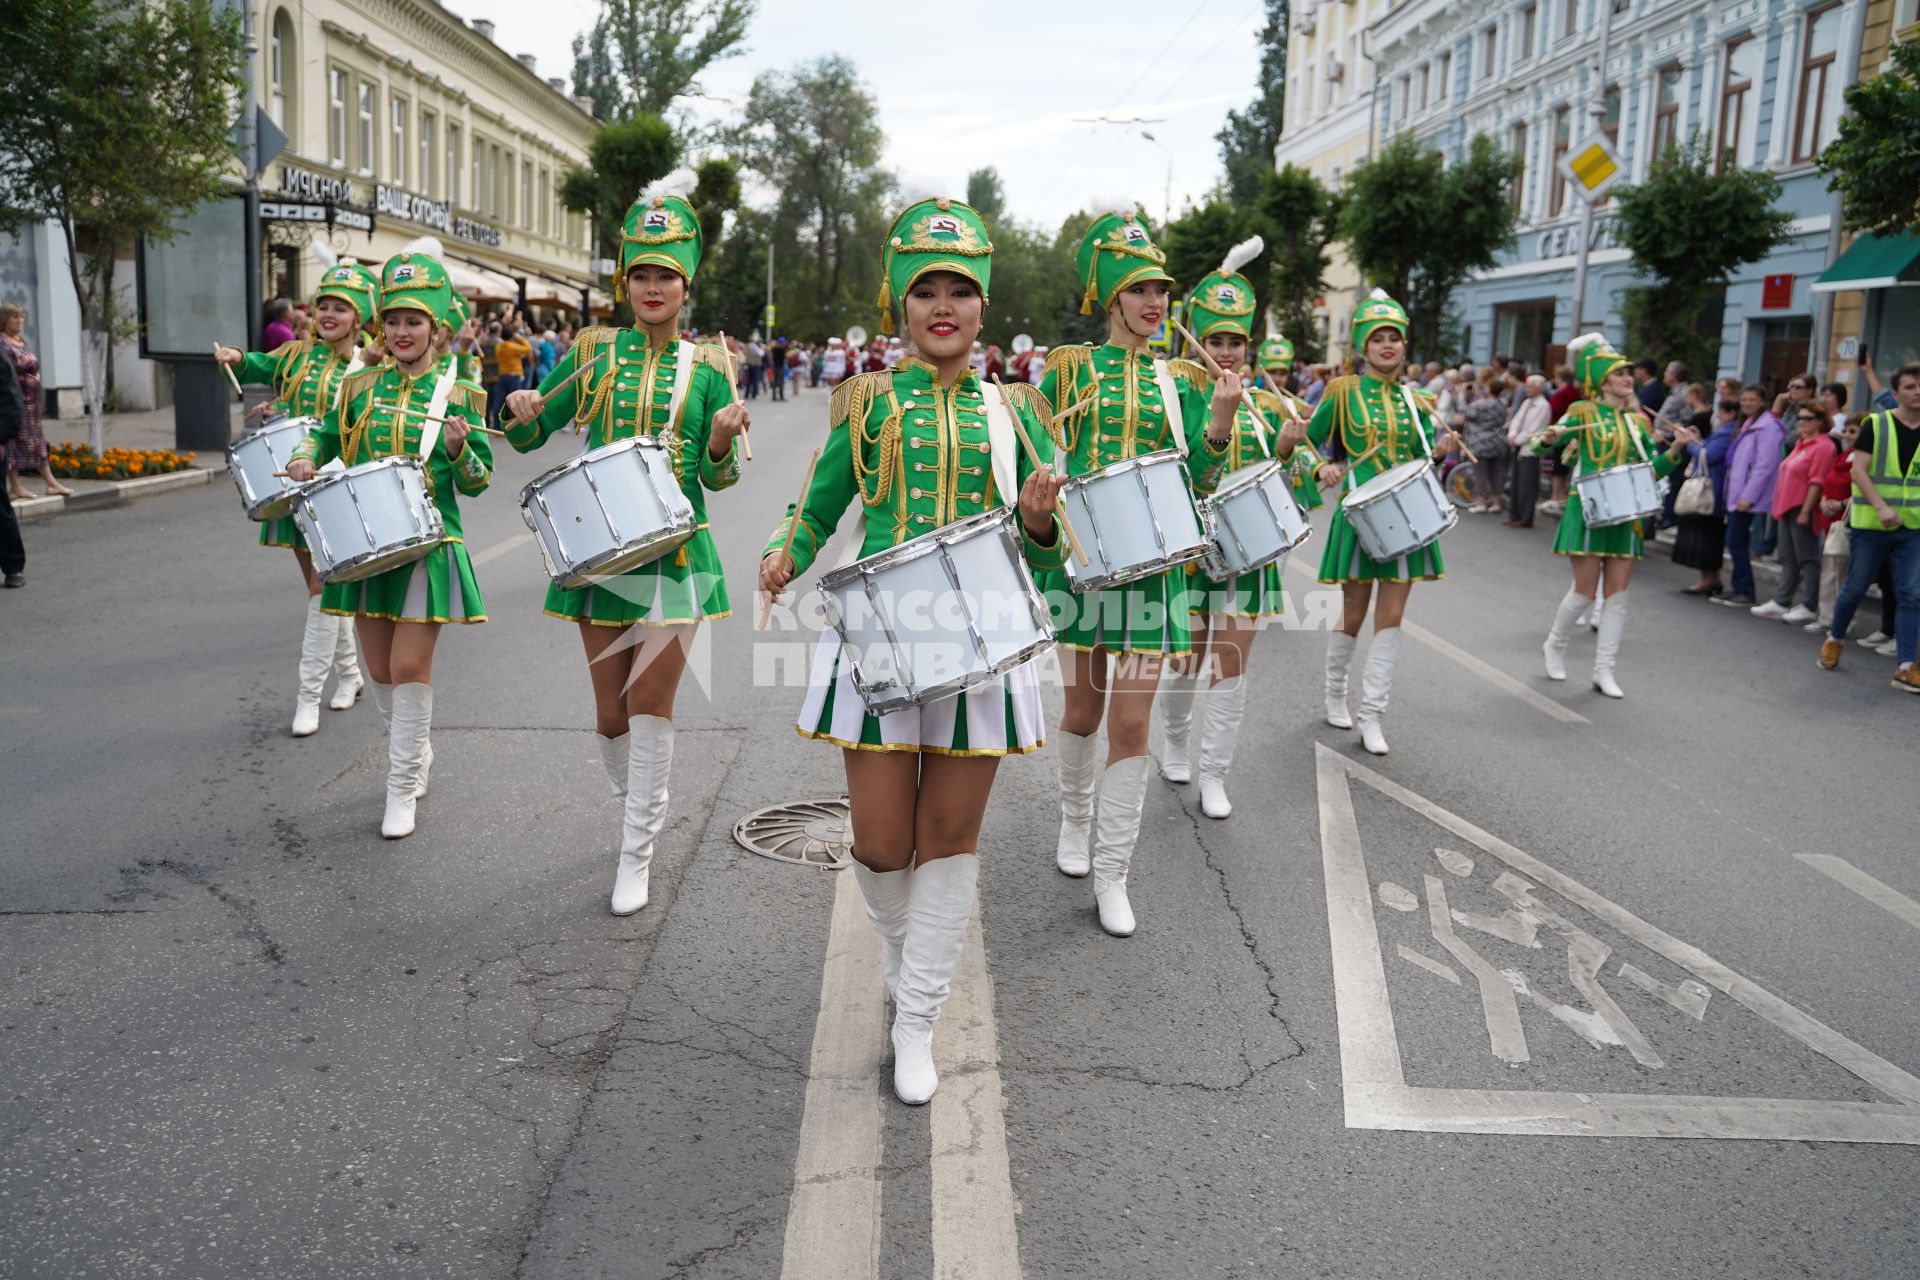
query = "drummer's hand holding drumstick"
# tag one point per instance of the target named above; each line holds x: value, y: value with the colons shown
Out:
x: 729, y: 424
x: 228, y: 355
x: 300, y: 469
x: 453, y: 432
x: 1292, y: 433
x: 1039, y: 499
x: 1226, y: 402
x: 525, y: 405
x: 776, y: 571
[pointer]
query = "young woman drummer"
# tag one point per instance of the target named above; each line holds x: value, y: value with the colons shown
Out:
x: 306, y: 376
x: 913, y: 444
x: 1138, y: 406
x: 1378, y: 423
x: 412, y: 400
x: 644, y: 381
x: 1310, y: 472
x: 1225, y: 616
x: 1607, y: 429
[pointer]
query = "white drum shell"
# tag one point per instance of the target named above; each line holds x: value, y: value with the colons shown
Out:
x: 938, y: 614
x: 607, y: 511
x: 1252, y: 520
x: 1618, y: 495
x: 368, y: 519
x: 1134, y: 518
x: 1399, y: 511
x: 255, y: 456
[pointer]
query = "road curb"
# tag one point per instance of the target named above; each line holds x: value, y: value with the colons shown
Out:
x: 113, y: 493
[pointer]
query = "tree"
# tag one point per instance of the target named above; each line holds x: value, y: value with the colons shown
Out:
x: 1874, y: 160
x: 987, y: 194
x: 1068, y: 325
x: 118, y: 127
x: 643, y: 54
x: 716, y: 194
x: 621, y: 160
x: 1248, y: 138
x: 813, y: 135
x: 733, y: 281
x: 1687, y: 227
x: 1298, y: 217
x: 1419, y: 227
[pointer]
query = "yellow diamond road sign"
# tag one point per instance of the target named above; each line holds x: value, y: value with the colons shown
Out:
x: 1591, y: 165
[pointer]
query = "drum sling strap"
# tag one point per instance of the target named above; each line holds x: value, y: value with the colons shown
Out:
x: 1170, y: 400
x: 436, y: 410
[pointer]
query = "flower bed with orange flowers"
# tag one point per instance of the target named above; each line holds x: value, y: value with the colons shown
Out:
x: 74, y: 461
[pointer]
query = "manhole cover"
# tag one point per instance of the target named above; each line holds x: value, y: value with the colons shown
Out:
x: 813, y: 833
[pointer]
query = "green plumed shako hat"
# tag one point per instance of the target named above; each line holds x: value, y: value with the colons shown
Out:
x: 933, y: 235
x: 1275, y: 351
x: 1223, y: 300
x: 416, y: 280
x: 1116, y: 253
x: 661, y: 230
x: 1593, y: 359
x: 1377, y: 311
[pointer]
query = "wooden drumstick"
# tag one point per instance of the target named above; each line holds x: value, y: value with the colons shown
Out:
x: 555, y: 390
x: 786, y: 546
x: 228, y: 370
x: 424, y: 416
x: 1033, y: 459
x: 733, y: 380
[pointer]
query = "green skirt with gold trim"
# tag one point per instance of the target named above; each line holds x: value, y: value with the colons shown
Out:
x: 1573, y: 538
x: 1248, y: 595
x: 1148, y: 615
x: 677, y: 588
x: 1345, y: 561
x: 439, y: 587
x: 282, y: 533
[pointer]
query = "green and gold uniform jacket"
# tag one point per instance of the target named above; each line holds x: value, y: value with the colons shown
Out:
x: 1362, y: 411
x: 1596, y: 437
x: 356, y: 431
x: 1128, y: 418
x: 629, y: 395
x: 305, y: 376
x: 915, y: 454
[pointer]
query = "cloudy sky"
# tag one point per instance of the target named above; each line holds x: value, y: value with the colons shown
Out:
x: 992, y: 83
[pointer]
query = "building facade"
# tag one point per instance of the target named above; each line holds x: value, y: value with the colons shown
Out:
x: 1761, y: 80
x: 1329, y: 126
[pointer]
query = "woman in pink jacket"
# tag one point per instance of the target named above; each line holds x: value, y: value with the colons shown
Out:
x: 1752, y: 464
x: 1797, y: 491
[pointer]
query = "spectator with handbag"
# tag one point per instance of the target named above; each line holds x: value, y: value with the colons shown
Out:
x: 1835, y: 550
x: 1700, y: 505
x: 1527, y: 421
x: 1753, y: 464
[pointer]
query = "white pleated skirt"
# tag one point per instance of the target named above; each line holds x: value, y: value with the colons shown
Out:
x: 999, y: 717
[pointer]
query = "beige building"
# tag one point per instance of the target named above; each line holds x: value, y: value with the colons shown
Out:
x: 1330, y: 90
x: 403, y: 120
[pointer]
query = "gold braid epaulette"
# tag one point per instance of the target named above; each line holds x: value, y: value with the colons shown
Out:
x: 851, y: 406
x: 853, y: 395
x: 1189, y: 372
x: 350, y: 431
x: 1065, y: 364
x: 466, y: 395
x: 288, y: 362
x: 1024, y: 395
x: 710, y: 354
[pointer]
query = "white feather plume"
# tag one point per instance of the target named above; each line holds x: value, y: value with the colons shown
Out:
x: 1125, y: 206
x: 680, y: 182
x: 1241, y: 254
x: 1377, y: 294
x: 429, y: 245
x: 915, y: 189
x: 1584, y: 341
x: 323, y: 254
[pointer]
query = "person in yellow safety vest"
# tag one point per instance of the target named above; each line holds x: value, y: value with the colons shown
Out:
x: 1885, y: 524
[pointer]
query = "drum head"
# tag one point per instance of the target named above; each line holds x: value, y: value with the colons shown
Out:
x: 1387, y: 481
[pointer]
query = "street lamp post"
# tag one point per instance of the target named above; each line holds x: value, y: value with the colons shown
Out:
x: 1166, y: 206
x: 1597, y: 109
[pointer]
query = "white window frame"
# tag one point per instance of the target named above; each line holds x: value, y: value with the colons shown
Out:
x: 456, y: 162
x: 339, y: 84
x: 400, y: 146
x: 367, y: 136
x: 429, y: 153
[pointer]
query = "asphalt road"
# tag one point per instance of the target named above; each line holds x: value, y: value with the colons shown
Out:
x: 242, y: 1036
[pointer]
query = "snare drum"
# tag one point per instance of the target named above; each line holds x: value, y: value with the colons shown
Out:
x: 1134, y: 518
x: 368, y: 519
x: 938, y: 614
x: 609, y: 510
x: 255, y: 456
x: 1251, y: 520
x: 1399, y: 511
x: 1618, y: 495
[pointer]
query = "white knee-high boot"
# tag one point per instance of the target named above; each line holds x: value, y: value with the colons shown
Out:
x: 1613, y: 623
x: 346, y: 666
x: 1565, y: 619
x: 1079, y: 775
x: 1177, y: 693
x: 407, y: 736
x: 316, y: 651
x: 939, y: 904
x: 886, y: 895
x: 1376, y: 685
x: 613, y: 758
x: 1339, y: 660
x: 649, y: 766
x: 383, y: 702
x: 1226, y: 704
x: 1123, y: 792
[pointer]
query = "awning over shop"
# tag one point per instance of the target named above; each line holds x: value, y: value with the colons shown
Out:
x: 481, y: 286
x: 602, y: 303
x: 1874, y: 262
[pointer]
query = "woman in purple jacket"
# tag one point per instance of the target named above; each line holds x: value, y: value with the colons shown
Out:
x: 1753, y: 461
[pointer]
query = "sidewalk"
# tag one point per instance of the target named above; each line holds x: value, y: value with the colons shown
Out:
x: 151, y: 429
